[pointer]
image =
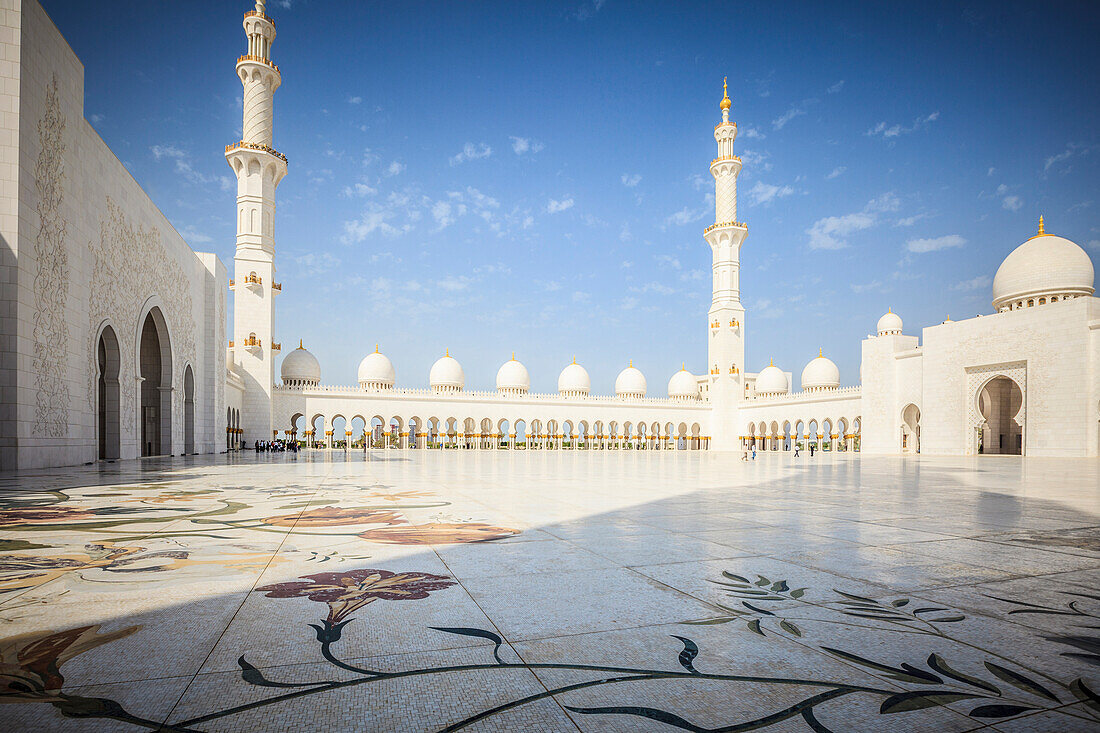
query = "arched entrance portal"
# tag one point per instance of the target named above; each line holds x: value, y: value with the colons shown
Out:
x: 107, y: 394
x: 910, y: 429
x: 155, y: 361
x: 1000, y: 402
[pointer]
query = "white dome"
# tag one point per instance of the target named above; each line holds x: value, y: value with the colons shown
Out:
x: 300, y: 368
x: 1044, y: 265
x: 630, y: 382
x: 772, y: 380
x: 574, y: 381
x: 447, y: 375
x: 376, y: 371
x: 821, y: 373
x: 683, y: 385
x: 512, y: 378
x: 889, y: 324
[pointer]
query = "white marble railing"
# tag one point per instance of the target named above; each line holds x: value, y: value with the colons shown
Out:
x: 818, y: 396
x: 325, y: 390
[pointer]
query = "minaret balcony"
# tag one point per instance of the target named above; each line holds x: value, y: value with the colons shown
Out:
x: 278, y: 287
x: 258, y: 14
x: 255, y: 146
x: 252, y: 343
x: 276, y: 347
x: 232, y: 283
x: 734, y: 323
x: 257, y: 59
x: 727, y: 159
x: 733, y: 224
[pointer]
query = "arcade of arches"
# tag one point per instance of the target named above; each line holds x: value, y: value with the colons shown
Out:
x: 840, y: 434
x: 485, y: 434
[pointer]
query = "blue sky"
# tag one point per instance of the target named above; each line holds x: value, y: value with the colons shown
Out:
x: 532, y: 176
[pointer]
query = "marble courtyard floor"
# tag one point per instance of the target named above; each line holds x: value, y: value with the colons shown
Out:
x: 556, y: 591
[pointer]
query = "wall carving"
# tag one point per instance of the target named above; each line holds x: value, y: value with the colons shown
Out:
x: 51, y: 282
x: 130, y: 265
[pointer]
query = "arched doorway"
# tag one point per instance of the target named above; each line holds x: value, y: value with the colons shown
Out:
x: 1000, y: 402
x: 155, y: 362
x: 188, y: 411
x: 910, y: 429
x: 107, y: 394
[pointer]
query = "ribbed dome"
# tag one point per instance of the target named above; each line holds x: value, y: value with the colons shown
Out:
x: 889, y: 324
x: 376, y: 371
x: 630, y: 382
x: 683, y: 386
x: 1043, y: 266
x: 821, y: 373
x: 771, y: 380
x: 300, y: 368
x: 447, y: 375
x: 512, y: 378
x: 574, y: 381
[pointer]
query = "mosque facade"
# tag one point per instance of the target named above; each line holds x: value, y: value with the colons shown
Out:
x: 109, y: 356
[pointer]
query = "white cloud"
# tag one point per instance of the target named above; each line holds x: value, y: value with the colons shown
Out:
x: 991, y: 171
x: 828, y: 233
x: 764, y: 193
x: 554, y: 206
x: 630, y: 181
x: 699, y: 181
x: 96, y: 119
x: 453, y: 284
x: 355, y: 100
x: 628, y: 303
x: 752, y: 133
x: 886, y: 202
x: 835, y: 87
x: 781, y: 121
x: 395, y: 168
x: 358, y: 190
x: 315, y: 263
x: 588, y: 8
x: 978, y: 283
x: 909, y: 221
x: 934, y: 244
x: 1012, y: 203
x: 521, y: 145
x: 193, y: 236
x: 653, y: 287
x: 443, y: 213
x: 669, y: 261
x: 581, y: 297
x: 753, y: 159
x: 684, y: 216
x: 872, y: 286
x: 836, y: 172
x: 167, y: 151
x: 1072, y: 150
x: 471, y: 152
x: 897, y: 130
x: 624, y: 233
x: 1093, y: 244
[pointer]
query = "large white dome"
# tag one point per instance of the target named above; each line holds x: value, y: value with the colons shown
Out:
x: 683, y: 386
x: 889, y: 324
x: 771, y: 380
x: 376, y: 371
x: 1045, y: 266
x: 574, y: 381
x: 819, y: 374
x: 512, y: 378
x: 630, y: 382
x: 300, y: 368
x: 447, y: 375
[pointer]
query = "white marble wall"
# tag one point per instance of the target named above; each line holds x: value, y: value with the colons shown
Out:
x: 84, y: 248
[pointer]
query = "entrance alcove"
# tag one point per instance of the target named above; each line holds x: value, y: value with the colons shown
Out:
x: 155, y: 367
x: 107, y: 395
x: 999, y: 402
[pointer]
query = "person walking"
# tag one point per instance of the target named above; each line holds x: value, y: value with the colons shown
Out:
x: 754, y: 452
x: 812, y: 446
x: 745, y: 454
x: 796, y: 450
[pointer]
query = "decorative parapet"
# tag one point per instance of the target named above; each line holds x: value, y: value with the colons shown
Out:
x: 258, y: 60
x: 738, y: 224
x: 726, y: 159
x: 323, y: 390
x: 819, y: 396
x: 252, y: 343
x: 256, y: 146
x: 261, y: 16
x: 253, y: 279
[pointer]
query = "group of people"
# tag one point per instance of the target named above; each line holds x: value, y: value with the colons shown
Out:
x: 745, y: 454
x: 276, y: 446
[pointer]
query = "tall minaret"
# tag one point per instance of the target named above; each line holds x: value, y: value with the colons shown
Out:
x: 259, y: 168
x: 726, y: 318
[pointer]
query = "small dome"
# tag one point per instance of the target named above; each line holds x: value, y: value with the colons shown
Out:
x: 889, y: 324
x: 512, y: 378
x: 447, y: 375
x: 819, y: 374
x: 771, y: 380
x: 574, y: 381
x: 630, y: 382
x: 683, y: 386
x: 376, y: 371
x: 300, y: 368
x: 1043, y: 266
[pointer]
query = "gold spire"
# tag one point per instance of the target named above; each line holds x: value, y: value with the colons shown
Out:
x: 771, y: 362
x: 447, y: 352
x: 300, y: 344
x: 683, y: 366
x: 574, y: 359
x: 631, y: 364
x: 1042, y: 231
x: 820, y: 351
x: 726, y: 103
x: 513, y: 356
x: 376, y: 348
x: 889, y: 310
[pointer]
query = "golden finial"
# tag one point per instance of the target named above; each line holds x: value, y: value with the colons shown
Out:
x: 890, y: 310
x: 447, y: 352
x: 820, y: 351
x: 574, y: 359
x: 683, y: 366
x: 300, y: 344
x: 1042, y: 231
x: 771, y: 362
x: 726, y: 103
x: 631, y: 364
x: 513, y: 356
